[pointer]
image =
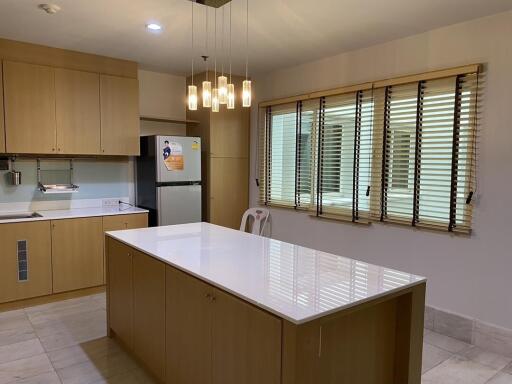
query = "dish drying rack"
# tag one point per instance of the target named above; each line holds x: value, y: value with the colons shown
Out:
x: 51, y: 181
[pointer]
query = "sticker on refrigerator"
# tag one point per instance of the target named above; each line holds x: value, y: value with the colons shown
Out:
x: 173, y: 156
x: 195, y: 145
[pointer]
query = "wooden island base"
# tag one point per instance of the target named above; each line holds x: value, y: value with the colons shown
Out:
x: 185, y: 331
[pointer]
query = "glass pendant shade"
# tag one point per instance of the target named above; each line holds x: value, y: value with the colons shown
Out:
x: 231, y: 96
x: 192, y: 97
x: 207, y: 94
x: 215, y: 100
x: 246, y: 93
x: 223, y: 89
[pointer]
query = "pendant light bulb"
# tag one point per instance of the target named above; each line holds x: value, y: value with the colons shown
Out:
x: 231, y: 96
x: 207, y: 94
x: 223, y: 89
x: 215, y: 100
x: 192, y: 97
x: 246, y: 93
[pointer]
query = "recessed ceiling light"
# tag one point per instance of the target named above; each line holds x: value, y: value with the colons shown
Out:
x: 153, y: 27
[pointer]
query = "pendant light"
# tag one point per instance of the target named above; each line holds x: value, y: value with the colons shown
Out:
x: 223, y: 80
x: 207, y: 85
x: 231, y: 86
x: 192, y: 89
x: 215, y: 90
x: 246, y: 85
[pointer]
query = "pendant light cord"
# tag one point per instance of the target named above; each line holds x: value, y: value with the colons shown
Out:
x: 215, y: 50
x: 206, y: 42
x: 230, y: 43
x: 247, y: 41
x: 193, y: 42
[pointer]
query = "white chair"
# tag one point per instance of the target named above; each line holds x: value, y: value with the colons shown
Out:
x: 258, y: 220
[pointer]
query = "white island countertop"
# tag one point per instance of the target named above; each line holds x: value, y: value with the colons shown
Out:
x: 73, y: 213
x: 293, y: 282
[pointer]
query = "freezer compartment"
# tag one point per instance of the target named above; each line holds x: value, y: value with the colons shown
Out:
x: 179, y: 204
x: 178, y: 158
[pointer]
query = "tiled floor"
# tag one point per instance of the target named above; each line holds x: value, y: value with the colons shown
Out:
x: 65, y: 343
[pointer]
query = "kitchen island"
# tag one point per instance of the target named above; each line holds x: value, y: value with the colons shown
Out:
x: 199, y: 303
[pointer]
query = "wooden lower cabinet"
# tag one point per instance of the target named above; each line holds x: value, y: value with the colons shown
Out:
x: 213, y: 337
x: 120, y: 292
x: 38, y: 260
x: 149, y: 313
x: 120, y: 222
x: 188, y: 329
x: 246, y: 345
x: 77, y: 253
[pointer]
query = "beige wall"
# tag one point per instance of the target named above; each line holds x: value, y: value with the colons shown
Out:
x: 470, y: 276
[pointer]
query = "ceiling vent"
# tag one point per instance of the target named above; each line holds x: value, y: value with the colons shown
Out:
x: 50, y: 9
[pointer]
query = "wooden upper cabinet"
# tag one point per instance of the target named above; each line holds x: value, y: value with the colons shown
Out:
x: 120, y: 127
x: 229, y: 133
x: 77, y: 112
x: 2, y: 129
x: 29, y: 92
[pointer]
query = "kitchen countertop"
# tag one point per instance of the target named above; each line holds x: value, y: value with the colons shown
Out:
x: 58, y: 214
x: 293, y: 282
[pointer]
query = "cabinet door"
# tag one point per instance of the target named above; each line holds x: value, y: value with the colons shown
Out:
x: 29, y: 92
x: 77, y: 253
x: 149, y: 313
x: 77, y: 112
x: 246, y: 343
x: 2, y: 127
x: 120, y: 222
x: 229, y: 191
x: 188, y: 329
x: 25, y: 259
x: 120, y: 126
x: 120, y: 289
x: 229, y: 133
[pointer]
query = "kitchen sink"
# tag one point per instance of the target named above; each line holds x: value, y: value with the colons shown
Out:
x: 16, y: 216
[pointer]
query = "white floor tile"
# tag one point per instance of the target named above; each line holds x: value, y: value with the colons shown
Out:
x: 457, y: 370
x: 484, y: 357
x: 24, y: 368
x: 20, y: 350
x: 433, y: 356
x: 444, y: 342
x: 501, y: 378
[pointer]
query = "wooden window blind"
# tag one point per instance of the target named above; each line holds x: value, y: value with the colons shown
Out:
x: 402, y: 152
x: 427, y: 162
x: 344, y: 165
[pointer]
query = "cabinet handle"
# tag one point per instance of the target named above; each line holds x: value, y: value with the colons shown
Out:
x: 320, y: 343
x: 208, y: 296
x: 214, y: 298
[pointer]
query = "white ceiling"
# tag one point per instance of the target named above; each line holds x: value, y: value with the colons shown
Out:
x: 282, y: 32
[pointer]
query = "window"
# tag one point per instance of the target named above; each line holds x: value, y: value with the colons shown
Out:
x: 399, y: 151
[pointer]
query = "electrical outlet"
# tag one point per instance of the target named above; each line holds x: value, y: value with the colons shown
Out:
x: 110, y: 203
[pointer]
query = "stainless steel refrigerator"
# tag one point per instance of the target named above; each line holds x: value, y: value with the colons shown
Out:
x: 169, y: 179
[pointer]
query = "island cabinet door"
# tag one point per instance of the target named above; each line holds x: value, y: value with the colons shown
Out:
x: 149, y: 313
x: 246, y: 343
x: 120, y: 290
x: 188, y: 329
x: 77, y: 253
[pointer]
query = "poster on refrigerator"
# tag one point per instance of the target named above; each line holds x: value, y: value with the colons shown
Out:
x: 173, y: 156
